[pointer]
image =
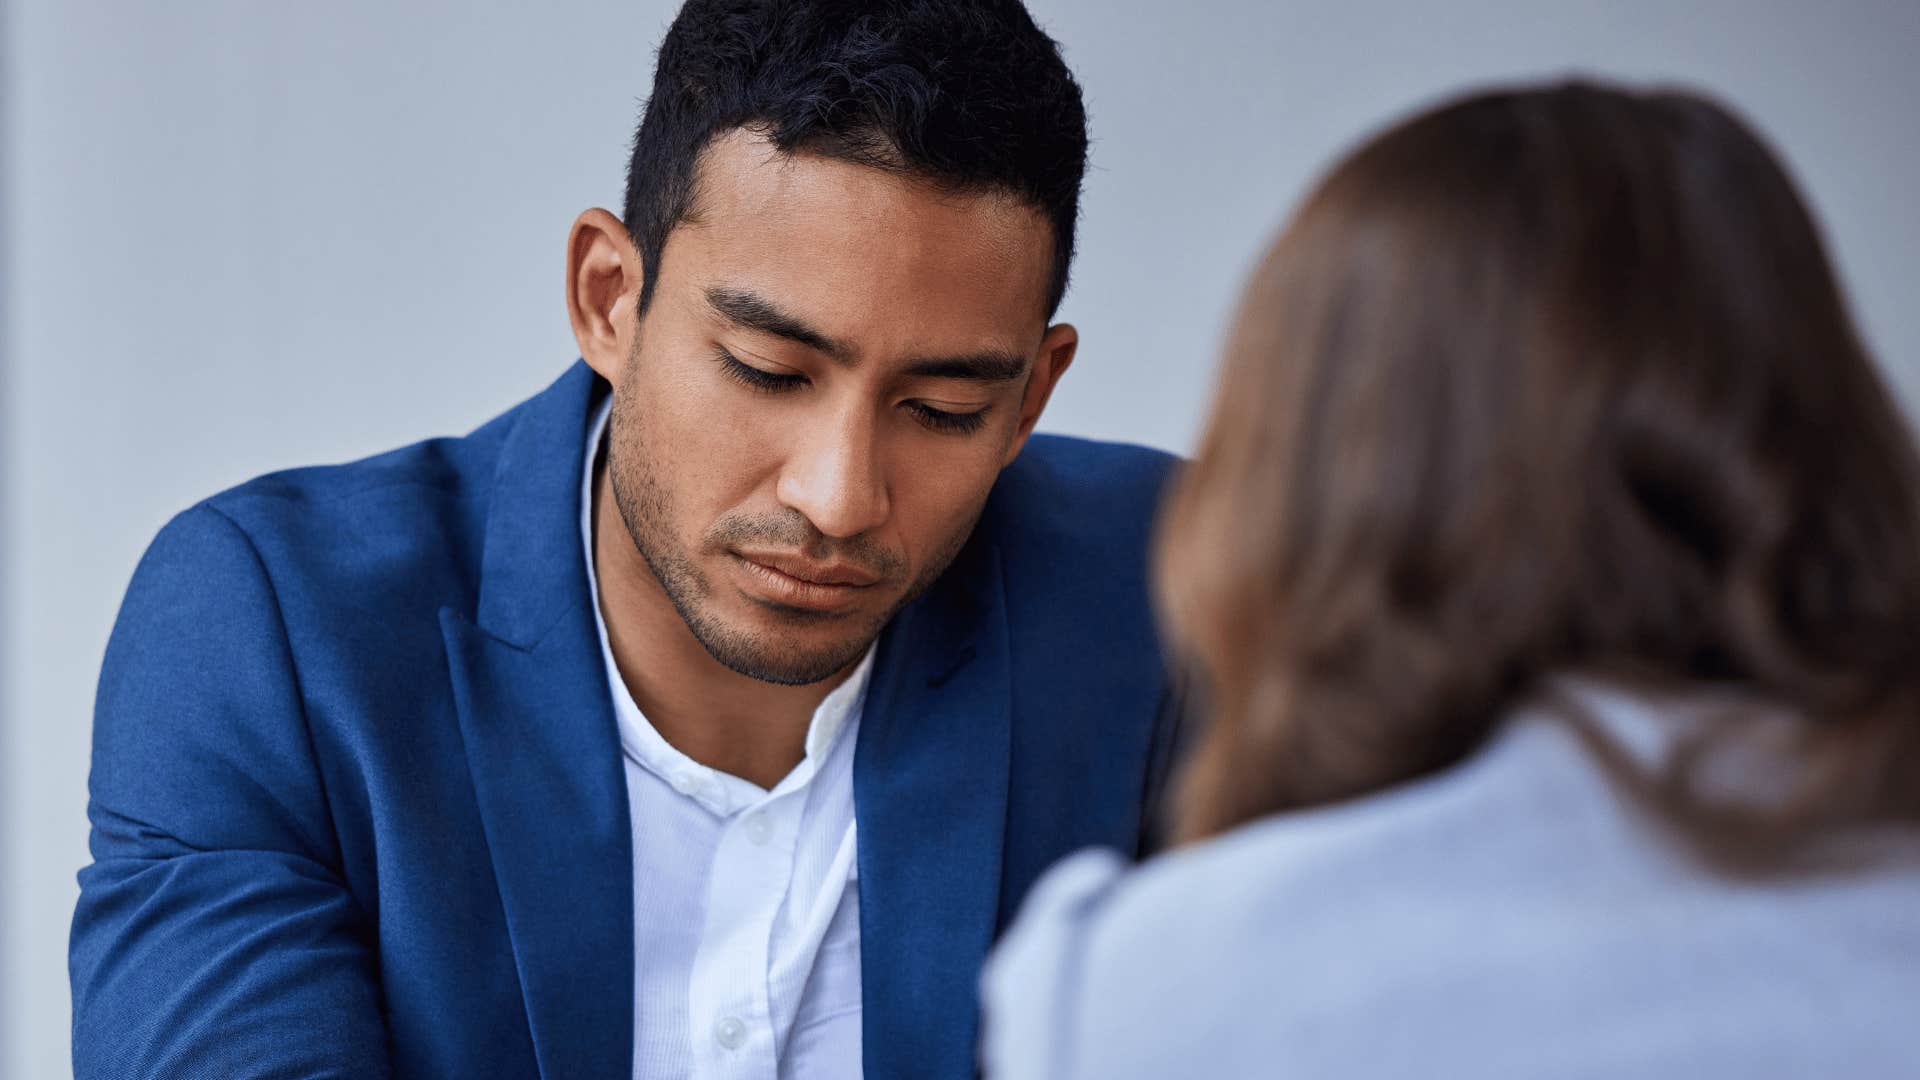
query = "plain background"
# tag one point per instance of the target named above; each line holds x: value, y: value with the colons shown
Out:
x: 242, y: 236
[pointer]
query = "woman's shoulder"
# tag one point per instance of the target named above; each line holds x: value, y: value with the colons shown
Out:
x: 1427, y: 902
x: 1032, y: 984
x: 1110, y: 966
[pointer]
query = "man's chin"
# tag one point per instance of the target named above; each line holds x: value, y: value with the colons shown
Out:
x: 777, y: 649
x: 785, y: 671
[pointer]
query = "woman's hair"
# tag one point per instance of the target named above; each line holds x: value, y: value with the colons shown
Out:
x: 1541, y: 381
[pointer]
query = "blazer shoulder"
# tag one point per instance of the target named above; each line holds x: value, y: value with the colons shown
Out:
x: 362, y: 546
x: 415, y: 476
x: 1087, y: 471
x: 1078, y: 497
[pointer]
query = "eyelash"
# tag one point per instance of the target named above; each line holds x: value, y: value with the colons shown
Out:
x: 756, y: 379
x: 767, y: 382
x: 942, y: 420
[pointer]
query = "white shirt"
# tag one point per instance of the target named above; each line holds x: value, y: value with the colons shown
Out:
x: 746, y: 909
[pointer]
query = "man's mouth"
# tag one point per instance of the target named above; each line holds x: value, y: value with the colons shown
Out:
x: 808, y: 584
x: 811, y: 571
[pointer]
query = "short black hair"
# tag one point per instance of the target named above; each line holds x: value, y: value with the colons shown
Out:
x: 967, y: 94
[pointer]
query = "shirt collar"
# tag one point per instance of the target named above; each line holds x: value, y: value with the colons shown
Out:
x: 721, y: 793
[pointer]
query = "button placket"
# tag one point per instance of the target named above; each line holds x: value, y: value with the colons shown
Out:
x: 745, y: 892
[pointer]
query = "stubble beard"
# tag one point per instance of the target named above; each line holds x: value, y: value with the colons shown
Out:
x: 646, y: 509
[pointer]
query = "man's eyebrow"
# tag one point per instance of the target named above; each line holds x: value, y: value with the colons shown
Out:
x: 756, y: 312
x: 748, y: 309
x: 979, y: 367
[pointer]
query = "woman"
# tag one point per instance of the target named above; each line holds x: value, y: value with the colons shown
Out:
x: 1551, y: 570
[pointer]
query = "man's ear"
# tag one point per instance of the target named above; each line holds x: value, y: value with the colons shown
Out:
x: 1057, y: 347
x: 603, y: 285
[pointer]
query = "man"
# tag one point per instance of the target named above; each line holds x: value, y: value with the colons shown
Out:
x: 707, y: 714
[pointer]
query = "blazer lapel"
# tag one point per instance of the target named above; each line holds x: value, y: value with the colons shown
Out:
x: 930, y: 793
x: 543, y: 748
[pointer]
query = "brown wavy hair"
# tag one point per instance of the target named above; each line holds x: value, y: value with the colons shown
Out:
x: 1540, y: 381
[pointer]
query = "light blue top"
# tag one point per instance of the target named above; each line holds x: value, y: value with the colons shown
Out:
x: 1511, y: 917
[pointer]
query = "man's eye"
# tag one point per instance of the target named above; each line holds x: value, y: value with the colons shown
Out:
x: 746, y: 374
x: 942, y: 420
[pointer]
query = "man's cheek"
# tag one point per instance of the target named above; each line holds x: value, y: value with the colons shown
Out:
x: 705, y: 453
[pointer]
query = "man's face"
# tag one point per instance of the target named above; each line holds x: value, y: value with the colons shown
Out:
x: 836, y: 364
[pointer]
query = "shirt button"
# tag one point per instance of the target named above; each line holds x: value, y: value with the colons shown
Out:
x: 758, y: 831
x: 685, y: 783
x: 730, y: 1033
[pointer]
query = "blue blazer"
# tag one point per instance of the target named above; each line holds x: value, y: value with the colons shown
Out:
x: 357, y: 799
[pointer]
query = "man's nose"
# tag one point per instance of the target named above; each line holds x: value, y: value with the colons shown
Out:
x: 836, y: 476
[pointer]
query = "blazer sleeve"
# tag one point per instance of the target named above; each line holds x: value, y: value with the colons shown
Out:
x: 214, y: 936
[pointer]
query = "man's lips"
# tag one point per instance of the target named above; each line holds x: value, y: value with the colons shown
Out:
x: 812, y: 572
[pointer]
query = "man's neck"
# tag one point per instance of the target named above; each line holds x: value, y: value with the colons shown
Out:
x: 724, y: 720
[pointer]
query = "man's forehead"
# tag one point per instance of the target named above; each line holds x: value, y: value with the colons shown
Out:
x: 822, y: 235
x: 743, y: 181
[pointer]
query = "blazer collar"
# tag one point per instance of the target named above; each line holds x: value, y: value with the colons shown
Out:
x: 533, y: 568
x: 542, y: 746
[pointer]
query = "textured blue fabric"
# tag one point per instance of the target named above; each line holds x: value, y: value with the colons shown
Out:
x: 357, y: 800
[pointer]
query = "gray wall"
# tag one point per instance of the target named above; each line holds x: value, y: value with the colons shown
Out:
x: 240, y: 236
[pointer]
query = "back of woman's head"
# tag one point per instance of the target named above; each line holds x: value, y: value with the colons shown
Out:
x: 1543, y: 381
